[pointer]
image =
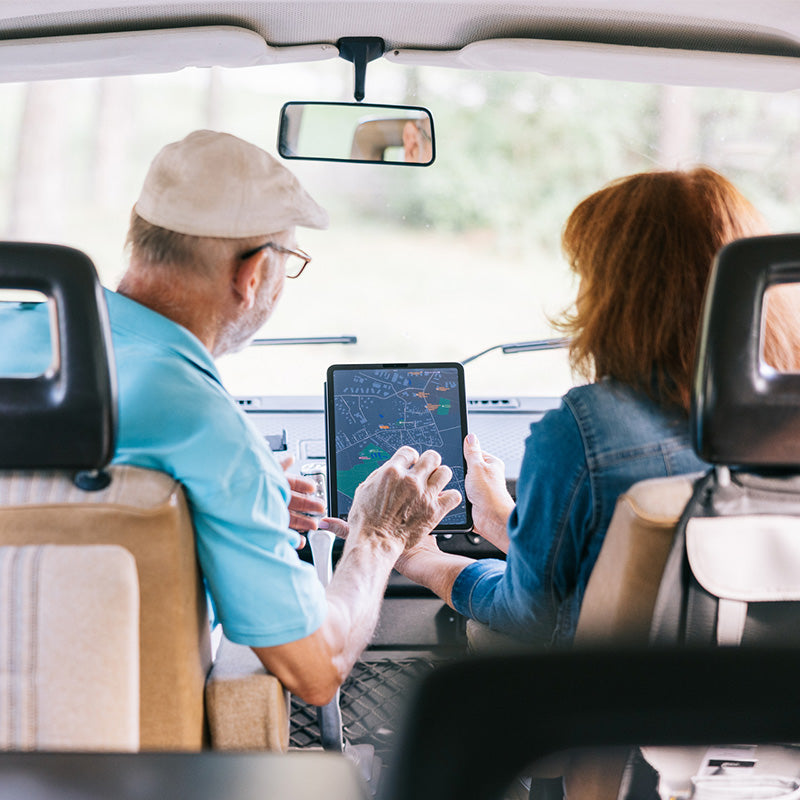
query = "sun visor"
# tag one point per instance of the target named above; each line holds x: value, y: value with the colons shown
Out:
x: 616, y: 62
x: 148, y: 51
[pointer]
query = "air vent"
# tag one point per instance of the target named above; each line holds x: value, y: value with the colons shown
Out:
x: 491, y: 403
x: 249, y: 402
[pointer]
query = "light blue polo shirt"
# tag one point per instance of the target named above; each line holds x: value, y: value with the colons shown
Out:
x: 175, y: 416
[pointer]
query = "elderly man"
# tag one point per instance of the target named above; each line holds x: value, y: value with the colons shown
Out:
x: 212, y: 240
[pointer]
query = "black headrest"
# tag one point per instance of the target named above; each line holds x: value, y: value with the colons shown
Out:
x: 742, y: 413
x: 65, y: 418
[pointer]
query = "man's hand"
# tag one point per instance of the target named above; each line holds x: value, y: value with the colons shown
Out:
x: 303, y: 500
x: 404, y: 499
x: 395, y: 507
x: 485, y: 484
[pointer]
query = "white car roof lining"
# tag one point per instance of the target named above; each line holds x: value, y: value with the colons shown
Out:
x: 138, y: 52
x: 619, y: 63
x: 736, y: 43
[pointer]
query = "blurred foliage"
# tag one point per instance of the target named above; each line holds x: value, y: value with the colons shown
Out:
x: 524, y: 134
x: 436, y: 262
x: 515, y: 152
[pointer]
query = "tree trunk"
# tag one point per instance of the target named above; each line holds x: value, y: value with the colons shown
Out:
x: 37, y: 196
x: 677, y: 145
x: 111, y: 138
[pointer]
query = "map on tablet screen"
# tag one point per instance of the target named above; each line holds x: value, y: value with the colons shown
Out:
x: 372, y: 409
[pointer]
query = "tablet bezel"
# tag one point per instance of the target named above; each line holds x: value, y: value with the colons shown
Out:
x: 330, y: 431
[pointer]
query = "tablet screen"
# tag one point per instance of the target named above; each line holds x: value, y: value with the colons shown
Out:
x: 372, y: 409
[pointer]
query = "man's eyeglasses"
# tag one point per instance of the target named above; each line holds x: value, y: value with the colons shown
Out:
x: 296, y: 260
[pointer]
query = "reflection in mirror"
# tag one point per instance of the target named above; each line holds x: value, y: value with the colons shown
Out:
x: 29, y: 330
x: 780, y: 338
x: 357, y: 132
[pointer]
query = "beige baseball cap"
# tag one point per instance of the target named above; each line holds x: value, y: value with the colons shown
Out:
x: 215, y: 184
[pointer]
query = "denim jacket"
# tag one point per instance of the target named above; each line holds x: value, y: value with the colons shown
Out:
x: 578, y: 460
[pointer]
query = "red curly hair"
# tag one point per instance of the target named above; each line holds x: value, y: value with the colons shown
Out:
x: 643, y: 248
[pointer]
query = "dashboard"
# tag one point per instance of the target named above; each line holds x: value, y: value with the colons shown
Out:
x: 412, y: 618
x: 296, y: 425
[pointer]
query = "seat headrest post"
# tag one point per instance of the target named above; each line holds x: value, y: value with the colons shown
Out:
x: 92, y: 480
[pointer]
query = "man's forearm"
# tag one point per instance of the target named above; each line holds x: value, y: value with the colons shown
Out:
x: 393, y: 509
x: 315, y: 666
x: 355, y: 594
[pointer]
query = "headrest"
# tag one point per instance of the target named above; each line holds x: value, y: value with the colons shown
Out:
x: 66, y: 417
x: 743, y: 413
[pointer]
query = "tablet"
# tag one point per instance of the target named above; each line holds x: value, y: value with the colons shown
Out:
x: 372, y: 409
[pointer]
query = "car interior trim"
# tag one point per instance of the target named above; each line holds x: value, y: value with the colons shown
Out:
x: 136, y: 52
x: 613, y: 62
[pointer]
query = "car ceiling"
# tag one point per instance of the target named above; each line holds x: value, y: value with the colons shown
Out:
x: 683, y: 41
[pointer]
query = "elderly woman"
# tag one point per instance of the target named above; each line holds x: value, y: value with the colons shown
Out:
x: 642, y: 248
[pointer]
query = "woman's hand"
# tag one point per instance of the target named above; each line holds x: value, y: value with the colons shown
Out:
x: 485, y: 485
x: 421, y: 550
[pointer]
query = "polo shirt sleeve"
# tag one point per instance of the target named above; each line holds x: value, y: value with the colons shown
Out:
x: 180, y: 421
x: 263, y: 594
x: 523, y: 596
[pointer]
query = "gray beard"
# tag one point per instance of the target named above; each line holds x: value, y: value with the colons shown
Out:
x: 240, y: 332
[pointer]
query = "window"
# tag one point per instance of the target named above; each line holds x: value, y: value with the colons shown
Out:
x: 420, y: 264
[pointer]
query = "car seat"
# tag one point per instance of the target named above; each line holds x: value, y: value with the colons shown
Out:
x: 69, y: 679
x: 745, y: 419
x: 474, y: 725
x: 730, y: 574
x: 733, y: 574
x: 714, y: 559
x: 56, y: 488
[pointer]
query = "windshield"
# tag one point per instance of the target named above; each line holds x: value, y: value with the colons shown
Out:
x: 425, y: 264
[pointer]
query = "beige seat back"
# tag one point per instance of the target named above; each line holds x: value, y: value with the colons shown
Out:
x: 617, y: 608
x: 69, y: 649
x: 145, y: 512
x: 618, y: 603
x: 63, y: 421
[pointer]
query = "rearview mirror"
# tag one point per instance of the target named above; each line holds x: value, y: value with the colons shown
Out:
x: 357, y: 132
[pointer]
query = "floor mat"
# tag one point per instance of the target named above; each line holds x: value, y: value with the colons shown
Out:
x: 372, y: 699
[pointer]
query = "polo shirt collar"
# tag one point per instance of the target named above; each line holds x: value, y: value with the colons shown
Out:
x: 137, y: 321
